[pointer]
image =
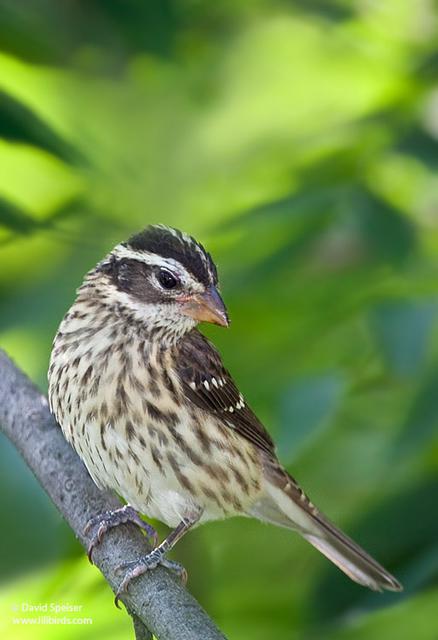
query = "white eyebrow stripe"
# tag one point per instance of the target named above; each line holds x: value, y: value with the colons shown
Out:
x: 122, y: 251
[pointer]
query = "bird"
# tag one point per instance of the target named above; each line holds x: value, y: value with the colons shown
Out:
x: 145, y: 400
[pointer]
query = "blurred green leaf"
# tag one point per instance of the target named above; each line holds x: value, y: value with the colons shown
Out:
x: 412, y: 618
x: 308, y: 407
x: 15, y: 219
x: 18, y: 221
x: 420, y: 427
x: 390, y: 235
x: 403, y: 332
x: 20, y: 124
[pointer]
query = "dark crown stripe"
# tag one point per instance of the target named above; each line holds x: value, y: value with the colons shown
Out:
x: 173, y: 244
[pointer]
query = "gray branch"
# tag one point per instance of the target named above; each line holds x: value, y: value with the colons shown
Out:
x: 156, y: 600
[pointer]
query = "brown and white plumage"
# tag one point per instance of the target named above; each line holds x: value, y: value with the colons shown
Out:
x: 146, y: 402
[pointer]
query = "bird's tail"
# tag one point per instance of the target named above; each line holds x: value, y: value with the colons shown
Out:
x: 286, y: 505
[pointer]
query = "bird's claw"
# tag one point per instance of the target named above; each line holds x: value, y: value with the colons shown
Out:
x: 142, y: 565
x: 109, y: 519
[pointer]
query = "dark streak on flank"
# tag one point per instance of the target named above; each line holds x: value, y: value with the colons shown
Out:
x: 182, y: 479
x: 156, y: 457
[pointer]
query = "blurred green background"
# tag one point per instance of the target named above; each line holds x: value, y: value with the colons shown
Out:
x: 298, y: 140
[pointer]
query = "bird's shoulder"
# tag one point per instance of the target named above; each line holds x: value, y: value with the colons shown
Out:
x: 209, y: 385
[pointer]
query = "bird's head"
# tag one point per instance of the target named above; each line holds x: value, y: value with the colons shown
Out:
x: 164, y: 278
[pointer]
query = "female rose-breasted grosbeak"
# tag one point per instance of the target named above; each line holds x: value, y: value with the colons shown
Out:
x: 145, y: 400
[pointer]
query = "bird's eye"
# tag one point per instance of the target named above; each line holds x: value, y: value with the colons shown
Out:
x: 167, y: 279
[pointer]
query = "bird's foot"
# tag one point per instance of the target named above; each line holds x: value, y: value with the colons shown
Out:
x: 146, y: 563
x: 103, y: 522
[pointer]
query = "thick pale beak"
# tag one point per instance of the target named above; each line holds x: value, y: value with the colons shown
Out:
x: 206, y: 307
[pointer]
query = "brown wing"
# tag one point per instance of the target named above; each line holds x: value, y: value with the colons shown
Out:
x: 208, y: 384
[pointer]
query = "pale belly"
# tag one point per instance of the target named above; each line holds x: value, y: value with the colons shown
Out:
x: 160, y: 479
x: 165, y: 459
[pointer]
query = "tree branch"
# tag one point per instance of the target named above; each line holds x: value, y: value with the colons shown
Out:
x: 156, y: 600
